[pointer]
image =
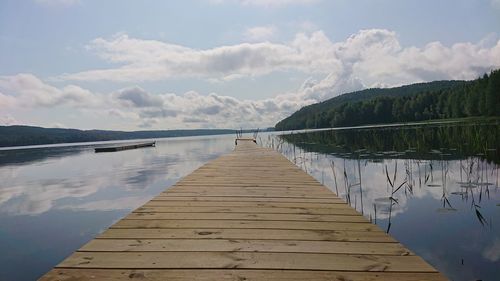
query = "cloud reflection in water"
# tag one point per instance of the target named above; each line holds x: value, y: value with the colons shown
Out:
x: 80, y: 179
x: 444, y: 203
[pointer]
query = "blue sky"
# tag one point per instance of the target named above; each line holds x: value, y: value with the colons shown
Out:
x: 225, y: 63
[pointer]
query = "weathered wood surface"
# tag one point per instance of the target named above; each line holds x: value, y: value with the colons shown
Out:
x: 124, y: 147
x: 248, y: 215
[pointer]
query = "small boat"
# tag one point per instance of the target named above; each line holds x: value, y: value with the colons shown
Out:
x: 124, y: 147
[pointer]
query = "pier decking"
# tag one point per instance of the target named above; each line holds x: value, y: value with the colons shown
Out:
x: 124, y: 147
x: 248, y: 215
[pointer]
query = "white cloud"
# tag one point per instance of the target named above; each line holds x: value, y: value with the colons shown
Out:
x: 28, y: 90
x: 6, y: 100
x: 144, y: 109
x: 366, y: 59
x: 134, y: 103
x: 220, y: 111
x: 260, y: 33
x: 138, y: 97
x: 373, y: 57
x: 150, y: 60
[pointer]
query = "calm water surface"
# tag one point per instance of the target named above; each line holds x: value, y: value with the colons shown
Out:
x: 434, y: 188
x: 55, y: 199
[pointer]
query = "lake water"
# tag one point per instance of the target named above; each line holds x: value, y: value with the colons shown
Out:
x: 54, y: 199
x: 434, y: 188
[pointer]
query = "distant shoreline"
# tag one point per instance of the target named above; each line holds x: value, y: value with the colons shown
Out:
x: 216, y: 132
x: 23, y: 136
x: 89, y: 143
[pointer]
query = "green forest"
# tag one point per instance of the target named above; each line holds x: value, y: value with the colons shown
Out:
x: 29, y: 135
x: 417, y: 102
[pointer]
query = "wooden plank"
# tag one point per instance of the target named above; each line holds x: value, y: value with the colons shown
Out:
x: 224, y: 245
x: 236, y: 174
x: 254, y: 188
x: 250, y: 191
x: 263, y: 234
x: 275, y: 210
x: 244, y: 216
x: 255, y: 224
x: 163, y: 197
x: 60, y: 274
x: 243, y: 194
x: 246, y: 260
x: 246, y: 204
x: 156, y: 203
x: 262, y: 183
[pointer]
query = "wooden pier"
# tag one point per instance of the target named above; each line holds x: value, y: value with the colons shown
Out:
x: 124, y: 147
x: 248, y: 215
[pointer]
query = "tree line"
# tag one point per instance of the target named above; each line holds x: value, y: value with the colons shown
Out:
x: 30, y: 135
x: 480, y: 97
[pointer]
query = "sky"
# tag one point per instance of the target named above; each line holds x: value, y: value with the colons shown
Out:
x: 144, y: 65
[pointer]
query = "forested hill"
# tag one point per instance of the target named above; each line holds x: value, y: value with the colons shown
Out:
x: 28, y: 135
x: 416, y: 102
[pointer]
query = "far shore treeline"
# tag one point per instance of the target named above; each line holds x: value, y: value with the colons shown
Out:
x: 417, y: 102
x: 29, y: 135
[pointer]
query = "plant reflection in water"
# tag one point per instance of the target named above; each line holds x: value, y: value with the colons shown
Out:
x: 397, y: 175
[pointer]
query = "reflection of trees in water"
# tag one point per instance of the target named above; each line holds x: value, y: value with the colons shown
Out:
x: 33, y: 155
x: 427, y: 158
x: 450, y: 141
